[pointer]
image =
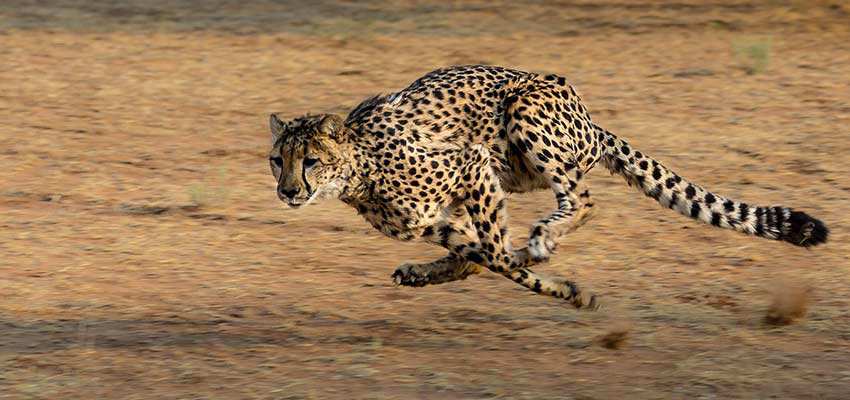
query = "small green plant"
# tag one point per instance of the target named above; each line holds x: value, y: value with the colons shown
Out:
x: 204, y: 194
x: 753, y: 55
x: 199, y: 194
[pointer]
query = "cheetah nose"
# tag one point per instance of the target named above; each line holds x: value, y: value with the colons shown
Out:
x: 289, y: 193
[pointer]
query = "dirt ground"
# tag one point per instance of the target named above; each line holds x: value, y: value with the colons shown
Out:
x: 144, y: 254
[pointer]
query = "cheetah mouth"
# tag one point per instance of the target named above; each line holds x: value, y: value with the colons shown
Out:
x: 299, y: 202
x: 296, y: 203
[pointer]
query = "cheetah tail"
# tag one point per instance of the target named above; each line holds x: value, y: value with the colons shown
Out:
x: 689, y: 199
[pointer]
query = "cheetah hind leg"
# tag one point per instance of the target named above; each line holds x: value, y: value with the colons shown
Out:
x: 447, y: 269
x: 582, y: 216
x: 549, y: 232
x: 485, y: 206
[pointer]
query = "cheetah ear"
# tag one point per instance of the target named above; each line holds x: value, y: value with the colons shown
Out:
x: 333, y: 126
x: 277, y: 128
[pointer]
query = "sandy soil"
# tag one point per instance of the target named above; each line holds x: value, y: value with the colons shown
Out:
x: 143, y: 253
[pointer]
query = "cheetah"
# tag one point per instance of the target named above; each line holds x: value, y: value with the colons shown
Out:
x: 435, y: 162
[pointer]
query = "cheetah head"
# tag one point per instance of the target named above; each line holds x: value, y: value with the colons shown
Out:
x: 309, y: 158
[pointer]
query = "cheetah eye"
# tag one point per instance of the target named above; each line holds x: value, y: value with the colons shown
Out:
x: 309, y: 162
x: 278, y: 161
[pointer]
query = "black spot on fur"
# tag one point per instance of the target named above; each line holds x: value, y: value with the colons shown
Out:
x: 445, y: 231
x: 656, y: 173
x: 743, y: 212
x: 695, y: 210
x: 715, y: 219
x: 780, y: 216
x: 537, y: 231
x: 475, y: 257
x: 655, y: 192
x: 674, y: 198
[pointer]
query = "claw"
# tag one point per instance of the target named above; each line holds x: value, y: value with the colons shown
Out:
x: 405, y: 276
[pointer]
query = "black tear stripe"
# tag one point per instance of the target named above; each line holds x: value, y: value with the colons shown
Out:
x: 304, y: 175
x: 280, y: 178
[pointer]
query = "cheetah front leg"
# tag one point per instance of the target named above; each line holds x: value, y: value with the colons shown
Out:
x: 454, y: 233
x: 447, y: 269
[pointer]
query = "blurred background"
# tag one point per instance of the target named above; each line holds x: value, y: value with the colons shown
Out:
x: 144, y: 254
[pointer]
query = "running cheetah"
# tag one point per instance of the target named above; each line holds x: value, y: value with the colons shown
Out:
x: 435, y: 160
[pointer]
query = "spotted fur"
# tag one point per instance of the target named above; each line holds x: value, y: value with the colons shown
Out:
x: 434, y: 162
x: 691, y: 200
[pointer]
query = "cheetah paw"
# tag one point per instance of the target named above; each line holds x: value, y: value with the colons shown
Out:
x: 410, y: 275
x: 579, y: 299
x: 540, y: 249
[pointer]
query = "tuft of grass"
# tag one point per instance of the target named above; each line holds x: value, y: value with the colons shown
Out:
x: 790, y: 303
x: 753, y: 55
x: 203, y: 194
x: 199, y: 194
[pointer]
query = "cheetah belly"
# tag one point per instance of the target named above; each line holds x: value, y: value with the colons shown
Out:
x: 514, y: 174
x: 401, y: 222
